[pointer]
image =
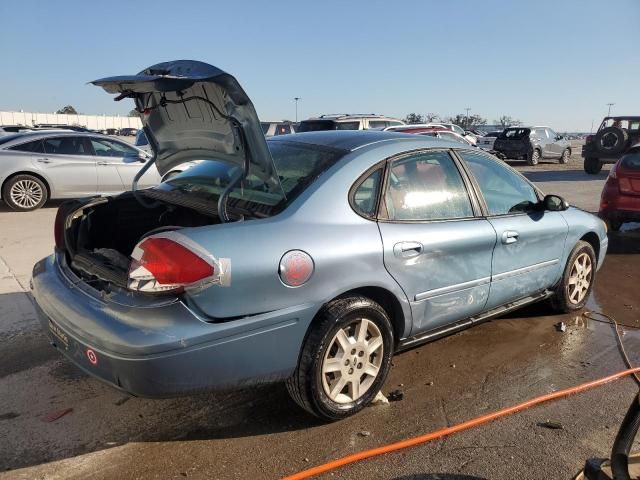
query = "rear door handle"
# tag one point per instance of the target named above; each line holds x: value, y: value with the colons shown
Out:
x: 509, y: 236
x: 407, y: 249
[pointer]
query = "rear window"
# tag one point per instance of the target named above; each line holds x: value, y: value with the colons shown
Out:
x: 298, y: 166
x: 631, y: 161
x: 513, y: 133
x: 316, y: 125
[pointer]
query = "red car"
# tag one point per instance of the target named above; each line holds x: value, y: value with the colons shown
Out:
x: 620, y: 201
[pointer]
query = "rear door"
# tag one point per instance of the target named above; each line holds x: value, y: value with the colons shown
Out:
x: 435, y: 246
x: 530, y: 241
x: 556, y: 146
x: 118, y: 164
x: 70, y: 164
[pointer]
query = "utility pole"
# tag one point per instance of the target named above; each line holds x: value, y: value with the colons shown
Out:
x: 296, y: 99
x: 466, y: 122
x: 610, y: 105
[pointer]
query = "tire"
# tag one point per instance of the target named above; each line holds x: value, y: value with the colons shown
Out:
x: 575, y: 286
x: 614, y: 225
x: 566, y: 155
x: 324, y: 364
x: 611, y: 141
x: 592, y: 165
x: 24, y: 193
x: 534, y: 157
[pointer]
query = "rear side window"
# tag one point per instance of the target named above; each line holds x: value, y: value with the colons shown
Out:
x: 365, y: 196
x: 426, y: 186
x: 67, y: 146
x: 631, y: 161
x: 514, y: 133
x: 348, y: 125
x: 377, y: 124
x: 33, y: 147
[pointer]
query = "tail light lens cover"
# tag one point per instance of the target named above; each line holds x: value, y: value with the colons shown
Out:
x: 172, y: 263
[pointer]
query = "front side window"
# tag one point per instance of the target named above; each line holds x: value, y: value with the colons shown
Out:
x: 365, y: 196
x: 109, y: 148
x: 552, y: 134
x: 66, y: 146
x: 504, y: 191
x: 426, y: 186
x: 32, y: 147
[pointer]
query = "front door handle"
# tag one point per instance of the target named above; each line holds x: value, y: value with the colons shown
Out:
x: 43, y: 160
x: 102, y: 162
x: 407, y: 249
x: 509, y: 236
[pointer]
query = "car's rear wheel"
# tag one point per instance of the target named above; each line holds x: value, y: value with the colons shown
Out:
x: 24, y: 193
x: 534, y: 157
x: 566, y: 155
x: 345, y: 358
x: 592, y: 165
x: 577, y: 279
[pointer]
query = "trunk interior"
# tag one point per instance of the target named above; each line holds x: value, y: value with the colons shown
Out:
x: 100, y: 238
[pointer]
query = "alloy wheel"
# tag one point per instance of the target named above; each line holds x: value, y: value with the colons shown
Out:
x: 580, y: 278
x: 352, y: 361
x: 26, y: 193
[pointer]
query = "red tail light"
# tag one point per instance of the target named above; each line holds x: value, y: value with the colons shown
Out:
x: 624, y: 184
x: 58, y: 227
x: 161, y: 264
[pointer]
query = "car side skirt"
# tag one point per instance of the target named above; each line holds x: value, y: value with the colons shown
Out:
x: 424, y: 337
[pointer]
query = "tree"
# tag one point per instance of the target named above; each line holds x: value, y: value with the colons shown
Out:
x: 69, y: 110
x: 134, y: 113
x: 414, y: 118
x: 431, y: 117
x: 462, y: 121
x: 506, y: 121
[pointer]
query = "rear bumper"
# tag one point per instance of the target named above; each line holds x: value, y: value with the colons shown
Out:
x: 165, y: 350
x: 617, y: 206
x: 588, y: 152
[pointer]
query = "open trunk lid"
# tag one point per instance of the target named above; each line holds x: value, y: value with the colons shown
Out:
x: 195, y: 111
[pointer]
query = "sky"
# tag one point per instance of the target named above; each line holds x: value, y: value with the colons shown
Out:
x: 555, y: 63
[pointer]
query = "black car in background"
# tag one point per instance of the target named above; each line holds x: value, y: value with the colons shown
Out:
x: 532, y: 144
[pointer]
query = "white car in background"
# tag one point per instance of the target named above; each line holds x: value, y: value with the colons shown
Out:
x: 486, y: 142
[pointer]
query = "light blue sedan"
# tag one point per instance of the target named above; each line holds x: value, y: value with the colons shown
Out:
x: 310, y: 258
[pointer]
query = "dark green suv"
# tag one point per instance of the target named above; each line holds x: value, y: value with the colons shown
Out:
x: 615, y: 136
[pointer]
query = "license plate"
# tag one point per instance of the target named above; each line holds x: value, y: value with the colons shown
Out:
x: 59, y: 334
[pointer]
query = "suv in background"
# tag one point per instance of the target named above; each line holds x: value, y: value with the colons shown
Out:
x: 532, y: 144
x: 348, y: 122
x: 271, y: 129
x: 612, y: 140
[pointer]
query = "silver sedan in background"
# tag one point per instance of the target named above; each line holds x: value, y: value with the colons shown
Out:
x: 38, y: 166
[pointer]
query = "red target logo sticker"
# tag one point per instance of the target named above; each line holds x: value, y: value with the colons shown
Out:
x: 91, y: 355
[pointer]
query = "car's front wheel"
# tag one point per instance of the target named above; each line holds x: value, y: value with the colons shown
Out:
x: 345, y: 358
x: 577, y: 279
x: 24, y: 193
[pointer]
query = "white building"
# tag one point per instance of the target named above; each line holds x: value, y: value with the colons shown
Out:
x: 93, y: 122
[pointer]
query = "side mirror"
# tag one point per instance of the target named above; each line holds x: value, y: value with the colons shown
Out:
x: 555, y: 203
x: 142, y: 157
x: 559, y: 137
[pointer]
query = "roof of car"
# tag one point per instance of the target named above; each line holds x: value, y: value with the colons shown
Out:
x: 23, y: 137
x: 354, y: 139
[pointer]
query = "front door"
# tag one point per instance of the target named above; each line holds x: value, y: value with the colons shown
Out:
x: 530, y: 241
x: 434, y: 245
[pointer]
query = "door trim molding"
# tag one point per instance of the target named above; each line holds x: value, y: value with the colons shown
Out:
x: 451, y: 288
x: 527, y: 269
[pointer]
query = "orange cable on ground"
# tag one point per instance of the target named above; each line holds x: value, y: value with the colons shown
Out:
x: 474, y: 422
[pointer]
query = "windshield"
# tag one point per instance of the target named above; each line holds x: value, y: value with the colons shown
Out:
x: 297, y: 165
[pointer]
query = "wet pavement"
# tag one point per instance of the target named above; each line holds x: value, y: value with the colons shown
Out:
x: 51, y: 412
